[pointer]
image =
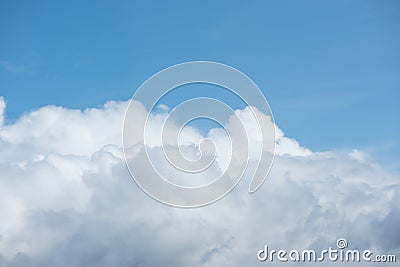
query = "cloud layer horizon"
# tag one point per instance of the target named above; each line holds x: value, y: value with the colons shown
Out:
x: 67, y: 199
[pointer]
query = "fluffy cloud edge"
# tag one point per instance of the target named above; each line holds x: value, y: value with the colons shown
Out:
x: 67, y: 198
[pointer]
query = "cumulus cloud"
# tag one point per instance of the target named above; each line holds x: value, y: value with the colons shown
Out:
x: 67, y: 199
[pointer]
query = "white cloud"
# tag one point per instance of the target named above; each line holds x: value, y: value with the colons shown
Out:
x: 62, y: 131
x: 2, y: 109
x: 66, y: 199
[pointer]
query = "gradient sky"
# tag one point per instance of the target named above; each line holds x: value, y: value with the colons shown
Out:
x: 330, y: 70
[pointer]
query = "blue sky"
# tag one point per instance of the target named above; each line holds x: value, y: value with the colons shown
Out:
x: 330, y: 70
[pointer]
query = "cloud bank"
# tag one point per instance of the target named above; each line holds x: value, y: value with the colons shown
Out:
x: 67, y: 199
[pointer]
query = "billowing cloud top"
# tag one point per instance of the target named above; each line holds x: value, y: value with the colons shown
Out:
x: 67, y: 199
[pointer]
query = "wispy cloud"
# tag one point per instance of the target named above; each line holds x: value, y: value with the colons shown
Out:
x: 17, y: 68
